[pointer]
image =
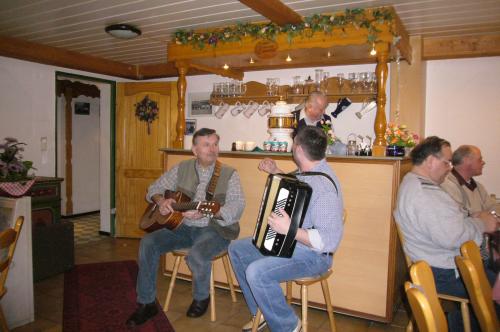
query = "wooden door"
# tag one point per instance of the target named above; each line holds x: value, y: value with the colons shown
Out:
x: 138, y: 159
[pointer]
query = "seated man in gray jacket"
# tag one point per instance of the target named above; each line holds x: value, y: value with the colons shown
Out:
x: 433, y: 224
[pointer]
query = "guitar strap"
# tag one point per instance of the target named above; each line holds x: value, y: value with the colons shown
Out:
x: 213, y: 182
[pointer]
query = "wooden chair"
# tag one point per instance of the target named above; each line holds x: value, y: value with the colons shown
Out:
x: 423, y: 299
x: 303, y: 283
x: 179, y: 254
x: 471, y: 269
x: 464, y: 302
x: 8, y: 239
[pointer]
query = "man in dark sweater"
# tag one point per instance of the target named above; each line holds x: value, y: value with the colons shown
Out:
x: 313, y: 113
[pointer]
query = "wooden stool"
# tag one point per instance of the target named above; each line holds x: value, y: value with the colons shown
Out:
x: 303, y: 283
x: 178, y: 254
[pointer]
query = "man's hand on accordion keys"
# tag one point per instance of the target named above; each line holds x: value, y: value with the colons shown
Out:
x: 279, y: 222
x: 269, y: 166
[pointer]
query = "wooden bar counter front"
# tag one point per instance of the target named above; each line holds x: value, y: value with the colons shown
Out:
x: 368, y: 266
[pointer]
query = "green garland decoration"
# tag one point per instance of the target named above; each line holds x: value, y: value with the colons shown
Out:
x: 359, y: 18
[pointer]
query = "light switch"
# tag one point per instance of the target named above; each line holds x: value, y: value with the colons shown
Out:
x: 43, y: 143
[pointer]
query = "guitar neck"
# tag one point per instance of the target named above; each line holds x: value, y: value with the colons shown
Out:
x: 185, y: 206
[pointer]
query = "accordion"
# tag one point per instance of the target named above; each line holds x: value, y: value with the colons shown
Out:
x: 288, y: 193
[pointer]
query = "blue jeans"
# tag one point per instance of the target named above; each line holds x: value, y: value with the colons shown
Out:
x: 448, y: 283
x: 260, y: 276
x: 204, y: 243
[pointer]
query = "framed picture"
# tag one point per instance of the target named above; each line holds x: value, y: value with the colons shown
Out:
x: 190, y: 127
x: 199, y: 104
x: 82, y: 108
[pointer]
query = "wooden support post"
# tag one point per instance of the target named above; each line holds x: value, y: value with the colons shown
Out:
x: 68, y: 120
x: 182, y: 68
x: 379, y: 143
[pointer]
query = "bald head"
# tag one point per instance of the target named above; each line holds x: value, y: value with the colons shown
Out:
x: 315, y: 106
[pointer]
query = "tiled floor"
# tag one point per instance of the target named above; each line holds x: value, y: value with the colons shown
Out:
x: 230, y: 316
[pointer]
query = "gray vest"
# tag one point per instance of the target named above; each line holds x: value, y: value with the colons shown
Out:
x: 187, y: 182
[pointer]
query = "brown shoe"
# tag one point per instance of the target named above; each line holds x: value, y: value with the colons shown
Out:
x: 198, y: 308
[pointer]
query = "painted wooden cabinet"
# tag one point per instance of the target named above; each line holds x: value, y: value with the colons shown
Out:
x: 45, y: 201
x: 369, y: 267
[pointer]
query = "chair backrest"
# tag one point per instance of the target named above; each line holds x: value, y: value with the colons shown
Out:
x: 421, y: 275
x: 472, y: 272
x: 421, y: 308
x: 402, y: 241
x: 8, y: 239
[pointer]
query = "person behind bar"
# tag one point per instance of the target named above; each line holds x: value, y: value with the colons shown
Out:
x: 433, y: 224
x: 313, y: 113
x: 204, y: 237
x: 260, y: 276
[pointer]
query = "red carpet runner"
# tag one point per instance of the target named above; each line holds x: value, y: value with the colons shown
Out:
x: 101, y: 296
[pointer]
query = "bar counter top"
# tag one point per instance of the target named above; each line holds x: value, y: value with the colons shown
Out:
x: 285, y: 155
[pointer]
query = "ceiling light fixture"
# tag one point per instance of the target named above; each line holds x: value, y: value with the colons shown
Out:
x: 288, y: 58
x: 373, y: 51
x: 251, y: 60
x: 123, y: 31
x: 226, y: 67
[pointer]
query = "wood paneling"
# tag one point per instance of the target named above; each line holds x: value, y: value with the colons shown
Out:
x: 461, y: 47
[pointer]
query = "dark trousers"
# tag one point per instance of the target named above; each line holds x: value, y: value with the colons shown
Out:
x: 447, y: 283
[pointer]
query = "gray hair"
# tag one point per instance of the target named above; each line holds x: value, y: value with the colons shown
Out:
x: 460, y: 153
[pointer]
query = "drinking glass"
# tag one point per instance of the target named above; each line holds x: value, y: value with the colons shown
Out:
x: 324, y: 82
x: 340, y: 81
x: 353, y: 77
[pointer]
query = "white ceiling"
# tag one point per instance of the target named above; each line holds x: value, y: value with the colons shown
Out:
x: 78, y: 25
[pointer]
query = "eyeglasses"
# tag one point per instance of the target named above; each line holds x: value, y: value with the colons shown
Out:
x: 447, y: 163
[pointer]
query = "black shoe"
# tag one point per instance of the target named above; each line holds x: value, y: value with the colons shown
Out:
x: 198, y: 308
x: 142, y: 314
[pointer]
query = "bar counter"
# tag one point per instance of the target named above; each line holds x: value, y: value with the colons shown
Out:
x: 369, y: 267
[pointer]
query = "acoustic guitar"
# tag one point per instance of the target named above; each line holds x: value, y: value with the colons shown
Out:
x: 152, y: 219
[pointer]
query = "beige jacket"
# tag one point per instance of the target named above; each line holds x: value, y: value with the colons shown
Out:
x: 472, y: 201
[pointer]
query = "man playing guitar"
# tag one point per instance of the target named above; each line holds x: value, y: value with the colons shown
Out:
x: 201, y: 179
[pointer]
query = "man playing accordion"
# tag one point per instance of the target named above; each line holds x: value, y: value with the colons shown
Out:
x: 259, y: 276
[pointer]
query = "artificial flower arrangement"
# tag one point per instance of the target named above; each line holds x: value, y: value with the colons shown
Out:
x: 357, y: 17
x: 399, y: 135
x: 12, y: 166
x: 327, y: 128
x: 147, y: 110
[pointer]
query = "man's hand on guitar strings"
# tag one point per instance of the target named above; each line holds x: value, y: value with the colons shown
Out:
x: 166, y: 206
x: 279, y: 222
x: 192, y: 214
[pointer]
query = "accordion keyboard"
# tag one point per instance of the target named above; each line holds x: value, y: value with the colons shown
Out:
x: 280, y: 204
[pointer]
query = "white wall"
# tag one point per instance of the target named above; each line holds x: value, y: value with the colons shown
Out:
x: 255, y: 129
x: 463, y: 106
x: 27, y: 112
x: 27, y: 107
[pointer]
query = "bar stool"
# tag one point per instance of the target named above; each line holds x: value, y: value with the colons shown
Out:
x: 179, y: 254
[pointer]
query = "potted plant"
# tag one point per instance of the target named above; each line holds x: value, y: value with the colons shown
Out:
x: 399, y: 139
x: 15, y: 179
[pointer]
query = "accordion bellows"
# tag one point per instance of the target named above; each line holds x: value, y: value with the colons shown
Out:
x: 286, y: 192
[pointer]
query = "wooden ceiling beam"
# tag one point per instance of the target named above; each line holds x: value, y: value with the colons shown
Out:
x: 20, y: 49
x: 275, y: 10
x: 461, y: 47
